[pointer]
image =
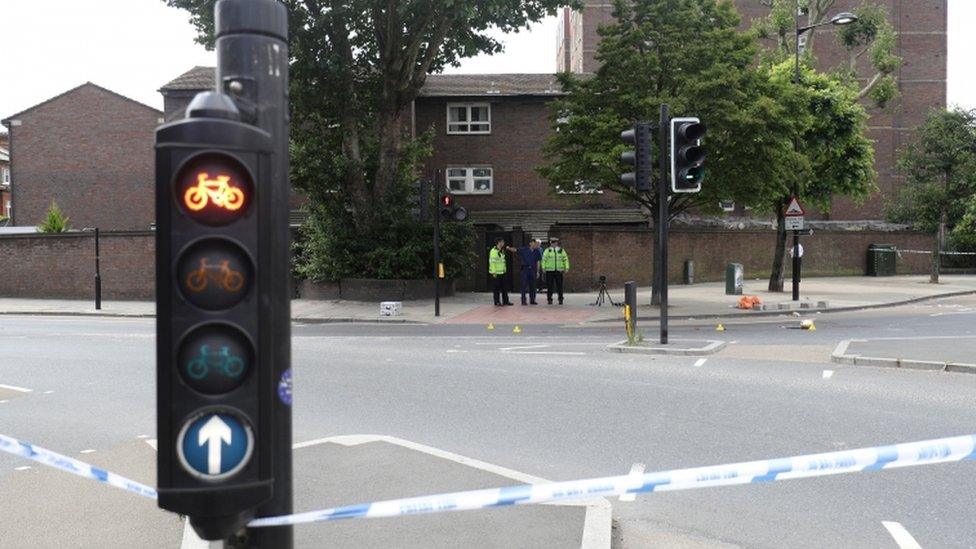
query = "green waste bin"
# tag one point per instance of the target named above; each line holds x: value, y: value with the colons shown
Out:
x: 882, y: 259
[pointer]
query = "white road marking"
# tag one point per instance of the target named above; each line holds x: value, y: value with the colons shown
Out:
x: 564, y: 353
x: 636, y: 475
x: 22, y: 468
x: 15, y: 388
x: 902, y: 537
x: 48, y: 392
x: 88, y: 451
x: 827, y: 374
x: 523, y: 347
x: 455, y: 351
x: 153, y: 443
x: 143, y: 436
x: 700, y: 362
x: 4, y: 401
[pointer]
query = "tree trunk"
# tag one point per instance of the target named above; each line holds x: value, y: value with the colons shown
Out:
x: 779, y: 254
x: 391, y: 132
x: 939, y: 245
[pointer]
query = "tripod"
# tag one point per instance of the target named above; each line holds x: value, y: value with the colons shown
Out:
x: 604, y: 295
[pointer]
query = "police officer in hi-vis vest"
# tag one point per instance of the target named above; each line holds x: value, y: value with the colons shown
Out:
x: 555, y: 263
x: 497, y: 267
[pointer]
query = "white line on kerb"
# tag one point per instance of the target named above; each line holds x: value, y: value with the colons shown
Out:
x: 14, y: 388
x: 902, y: 537
x: 700, y: 362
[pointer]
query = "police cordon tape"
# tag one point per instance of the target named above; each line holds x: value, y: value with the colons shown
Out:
x: 929, y: 452
x: 73, y: 466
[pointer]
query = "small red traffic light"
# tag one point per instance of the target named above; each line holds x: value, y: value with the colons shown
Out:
x: 447, y: 200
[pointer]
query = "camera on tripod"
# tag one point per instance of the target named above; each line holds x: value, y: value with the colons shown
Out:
x: 604, y: 295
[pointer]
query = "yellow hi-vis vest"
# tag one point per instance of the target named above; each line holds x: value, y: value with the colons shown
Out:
x: 555, y: 261
x: 496, y: 262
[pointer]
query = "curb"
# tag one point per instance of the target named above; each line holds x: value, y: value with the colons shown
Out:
x: 711, y: 347
x: 313, y: 320
x: 772, y: 313
x: 840, y: 356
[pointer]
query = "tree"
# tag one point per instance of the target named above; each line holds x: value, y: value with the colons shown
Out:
x: 356, y: 67
x: 692, y: 55
x: 54, y: 221
x: 871, y: 34
x: 940, y: 176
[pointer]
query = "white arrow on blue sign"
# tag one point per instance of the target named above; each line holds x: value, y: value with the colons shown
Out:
x: 215, y: 445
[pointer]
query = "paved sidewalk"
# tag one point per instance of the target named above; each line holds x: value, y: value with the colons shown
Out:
x: 699, y: 301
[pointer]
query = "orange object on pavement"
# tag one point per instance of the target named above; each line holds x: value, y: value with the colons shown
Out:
x: 749, y: 302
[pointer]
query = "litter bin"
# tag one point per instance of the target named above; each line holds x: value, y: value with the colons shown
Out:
x: 689, y: 277
x: 734, y: 279
x: 882, y: 259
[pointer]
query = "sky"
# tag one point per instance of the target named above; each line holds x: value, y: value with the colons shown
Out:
x: 133, y: 47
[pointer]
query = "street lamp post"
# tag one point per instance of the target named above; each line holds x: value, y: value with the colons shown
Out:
x: 841, y: 19
x: 98, y: 268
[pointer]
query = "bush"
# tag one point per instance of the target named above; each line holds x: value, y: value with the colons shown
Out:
x: 55, y: 221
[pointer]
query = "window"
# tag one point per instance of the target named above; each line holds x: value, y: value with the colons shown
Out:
x: 468, y: 118
x: 581, y: 187
x: 5, y: 175
x: 477, y: 180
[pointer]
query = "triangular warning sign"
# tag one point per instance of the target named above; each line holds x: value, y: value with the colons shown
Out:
x: 794, y: 209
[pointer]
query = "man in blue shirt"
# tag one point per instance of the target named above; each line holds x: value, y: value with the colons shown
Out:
x: 531, y: 257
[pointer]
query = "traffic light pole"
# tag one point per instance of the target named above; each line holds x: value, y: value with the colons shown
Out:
x: 437, y: 245
x: 252, y: 67
x: 796, y: 265
x: 663, y: 213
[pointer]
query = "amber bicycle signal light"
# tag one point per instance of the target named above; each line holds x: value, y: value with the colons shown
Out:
x: 214, y: 189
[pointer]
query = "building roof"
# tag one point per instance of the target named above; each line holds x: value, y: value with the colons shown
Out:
x: 466, y: 85
x: 197, y: 78
x: 74, y: 89
x: 438, y: 85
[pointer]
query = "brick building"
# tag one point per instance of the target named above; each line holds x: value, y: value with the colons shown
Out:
x: 91, y: 151
x: 921, y: 27
x: 4, y: 175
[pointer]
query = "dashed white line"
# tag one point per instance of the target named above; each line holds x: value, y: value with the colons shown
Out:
x: 455, y: 351
x: 523, y: 347
x: 827, y: 374
x: 4, y: 401
x: 22, y: 468
x: 564, y: 353
x: 87, y: 451
x: 700, y: 362
x: 15, y: 388
x: 901, y: 536
x: 48, y: 392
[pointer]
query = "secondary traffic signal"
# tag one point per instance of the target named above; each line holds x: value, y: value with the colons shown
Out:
x: 687, y: 155
x: 215, y: 387
x: 420, y: 200
x: 450, y: 211
x: 640, y: 137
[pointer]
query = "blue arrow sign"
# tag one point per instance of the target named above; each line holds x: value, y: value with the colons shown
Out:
x: 215, y: 445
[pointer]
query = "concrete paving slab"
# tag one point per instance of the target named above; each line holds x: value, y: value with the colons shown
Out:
x: 332, y: 474
x: 676, y: 347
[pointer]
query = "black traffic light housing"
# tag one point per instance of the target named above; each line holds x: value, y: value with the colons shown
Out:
x: 215, y: 387
x: 687, y: 155
x: 450, y: 210
x: 641, y: 137
x: 420, y: 195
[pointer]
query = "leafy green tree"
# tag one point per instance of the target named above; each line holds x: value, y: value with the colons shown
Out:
x: 940, y: 176
x: 692, y: 55
x: 356, y: 67
x: 871, y: 37
x: 54, y: 221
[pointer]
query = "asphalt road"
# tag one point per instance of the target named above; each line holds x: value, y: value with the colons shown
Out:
x: 551, y: 402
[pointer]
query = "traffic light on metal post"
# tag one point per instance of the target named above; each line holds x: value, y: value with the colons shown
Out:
x: 687, y: 155
x: 420, y: 200
x: 640, y: 136
x: 450, y: 211
x: 215, y: 388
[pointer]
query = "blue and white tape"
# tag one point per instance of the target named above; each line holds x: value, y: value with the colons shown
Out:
x: 73, y: 466
x: 929, y: 452
x: 850, y: 461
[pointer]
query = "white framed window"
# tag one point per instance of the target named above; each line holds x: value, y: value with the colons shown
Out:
x: 7, y: 209
x: 468, y: 118
x: 5, y: 175
x: 470, y: 180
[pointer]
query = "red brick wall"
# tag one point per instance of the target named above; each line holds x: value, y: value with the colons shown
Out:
x: 63, y: 266
x: 625, y: 254
x: 91, y: 151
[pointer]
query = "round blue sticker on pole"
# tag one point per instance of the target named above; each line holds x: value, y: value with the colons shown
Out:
x: 215, y: 445
x: 284, y: 387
